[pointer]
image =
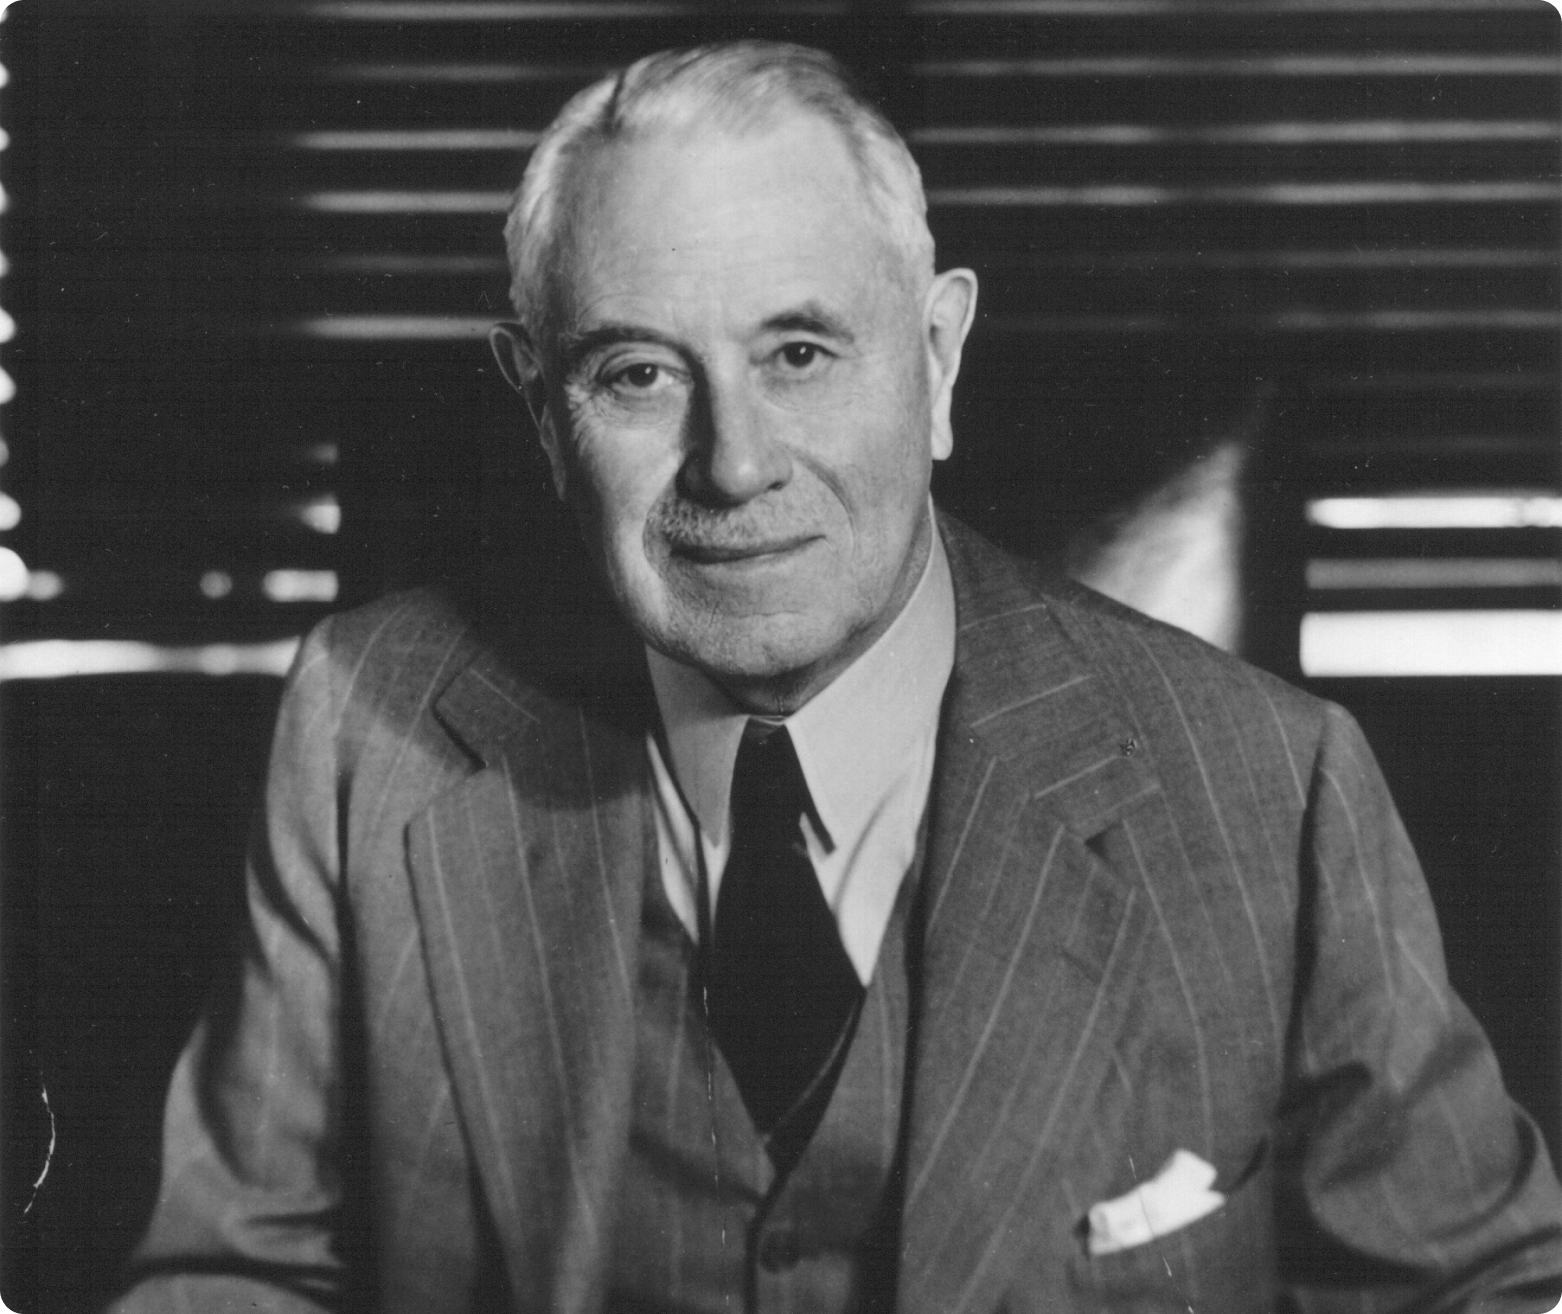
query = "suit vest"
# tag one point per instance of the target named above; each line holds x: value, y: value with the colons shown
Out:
x: 704, y: 1226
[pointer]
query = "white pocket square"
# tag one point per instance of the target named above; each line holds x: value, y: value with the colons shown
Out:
x: 1177, y: 1195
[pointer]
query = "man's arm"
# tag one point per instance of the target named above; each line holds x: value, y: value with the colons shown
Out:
x: 1414, y: 1182
x: 250, y: 1189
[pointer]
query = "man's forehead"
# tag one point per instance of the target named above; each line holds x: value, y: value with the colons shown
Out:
x: 668, y: 179
x: 773, y: 220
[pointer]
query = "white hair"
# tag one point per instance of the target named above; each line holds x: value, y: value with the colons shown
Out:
x: 740, y: 85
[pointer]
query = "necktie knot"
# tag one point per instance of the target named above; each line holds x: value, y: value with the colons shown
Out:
x: 769, y: 794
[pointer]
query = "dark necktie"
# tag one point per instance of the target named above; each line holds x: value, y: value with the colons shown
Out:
x: 780, y: 990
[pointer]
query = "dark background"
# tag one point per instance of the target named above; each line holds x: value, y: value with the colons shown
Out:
x: 1150, y: 266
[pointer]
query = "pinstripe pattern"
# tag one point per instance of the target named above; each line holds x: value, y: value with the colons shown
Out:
x: 1202, y: 1070
x: 1167, y: 903
x: 929, y: 1157
x: 563, y: 881
x: 1216, y: 811
x: 1039, y: 1141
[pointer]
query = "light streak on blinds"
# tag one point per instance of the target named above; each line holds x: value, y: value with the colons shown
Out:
x: 405, y: 74
x: 1471, y: 510
x: 423, y: 139
x: 1409, y: 321
x: 1295, y: 258
x: 510, y: 11
x: 1403, y: 64
x: 1291, y: 321
x: 1280, y: 193
x: 1079, y: 323
x: 412, y: 262
x: 323, y: 515
x: 299, y: 585
x: 378, y: 202
x: 49, y: 659
x: 1407, y: 64
x: 44, y: 585
x: 396, y: 328
x: 16, y: 581
x: 13, y: 575
x: 1366, y: 131
x: 1434, y: 573
x: 1411, y: 643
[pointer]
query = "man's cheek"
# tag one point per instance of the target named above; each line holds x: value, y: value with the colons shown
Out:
x: 614, y: 473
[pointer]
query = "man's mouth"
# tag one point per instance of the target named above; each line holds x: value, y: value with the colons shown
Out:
x: 707, y: 554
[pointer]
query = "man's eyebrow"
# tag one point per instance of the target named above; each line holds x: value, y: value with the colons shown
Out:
x: 810, y: 317
x: 575, y: 347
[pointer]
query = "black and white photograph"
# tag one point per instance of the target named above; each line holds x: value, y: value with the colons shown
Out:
x: 781, y: 656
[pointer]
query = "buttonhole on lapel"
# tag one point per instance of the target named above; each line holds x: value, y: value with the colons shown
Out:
x: 1128, y: 747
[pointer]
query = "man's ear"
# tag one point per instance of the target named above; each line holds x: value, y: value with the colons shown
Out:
x: 948, y: 311
x: 521, y: 364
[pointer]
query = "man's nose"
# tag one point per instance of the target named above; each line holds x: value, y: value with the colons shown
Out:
x: 737, y: 453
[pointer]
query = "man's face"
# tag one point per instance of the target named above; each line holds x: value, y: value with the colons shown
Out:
x: 741, y: 400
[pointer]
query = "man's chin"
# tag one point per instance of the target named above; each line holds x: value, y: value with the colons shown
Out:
x: 749, y: 656
x: 758, y: 660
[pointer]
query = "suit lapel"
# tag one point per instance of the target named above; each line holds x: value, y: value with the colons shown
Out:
x: 1030, y: 942
x: 528, y: 880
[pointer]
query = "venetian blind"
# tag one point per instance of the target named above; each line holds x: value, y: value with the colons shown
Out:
x: 254, y: 254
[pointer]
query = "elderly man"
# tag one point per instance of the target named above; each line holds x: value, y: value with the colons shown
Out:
x: 869, y: 924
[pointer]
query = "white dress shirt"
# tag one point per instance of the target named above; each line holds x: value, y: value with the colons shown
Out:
x: 865, y: 743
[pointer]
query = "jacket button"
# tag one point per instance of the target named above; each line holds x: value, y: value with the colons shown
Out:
x: 779, y: 1248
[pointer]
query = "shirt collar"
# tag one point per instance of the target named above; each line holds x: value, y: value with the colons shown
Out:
x: 853, y: 738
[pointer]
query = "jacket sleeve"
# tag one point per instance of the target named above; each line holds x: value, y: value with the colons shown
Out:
x: 1412, y: 1181
x: 251, y: 1188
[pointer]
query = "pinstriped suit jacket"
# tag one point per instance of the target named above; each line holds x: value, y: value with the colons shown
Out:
x: 1167, y: 904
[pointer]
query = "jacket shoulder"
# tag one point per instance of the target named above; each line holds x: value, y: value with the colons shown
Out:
x: 1129, y: 639
x: 382, y: 666
x: 1159, y: 673
x: 400, y: 627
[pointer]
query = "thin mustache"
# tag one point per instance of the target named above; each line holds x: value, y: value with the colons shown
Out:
x: 693, y: 528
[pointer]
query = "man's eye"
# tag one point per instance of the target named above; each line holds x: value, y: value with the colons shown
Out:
x: 638, y: 378
x: 800, y: 355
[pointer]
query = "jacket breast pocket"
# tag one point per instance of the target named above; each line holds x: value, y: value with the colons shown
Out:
x: 1224, y: 1261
